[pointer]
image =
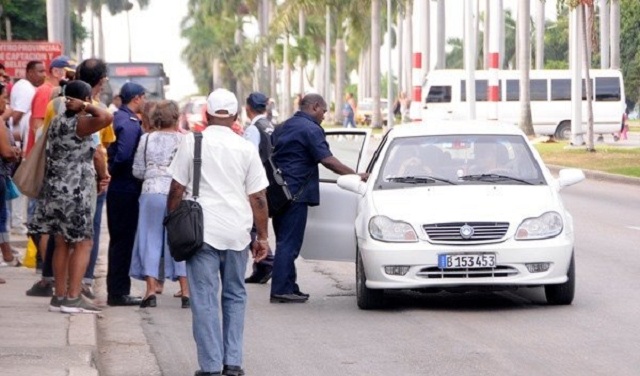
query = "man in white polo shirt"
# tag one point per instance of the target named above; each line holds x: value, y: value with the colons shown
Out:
x: 232, y: 196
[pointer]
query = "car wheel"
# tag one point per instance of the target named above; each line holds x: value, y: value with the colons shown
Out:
x: 367, y: 298
x: 562, y: 294
x: 564, y: 131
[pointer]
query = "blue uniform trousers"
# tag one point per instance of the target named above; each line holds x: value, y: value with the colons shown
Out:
x: 289, y: 228
x: 122, y: 220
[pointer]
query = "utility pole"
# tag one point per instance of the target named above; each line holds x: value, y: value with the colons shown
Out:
x: 59, y: 23
x: 470, y: 58
x: 389, y: 70
x: 540, y: 24
x: 604, y: 34
x: 575, y: 50
x: 327, y: 57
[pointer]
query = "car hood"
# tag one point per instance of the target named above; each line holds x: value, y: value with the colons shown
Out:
x: 465, y: 203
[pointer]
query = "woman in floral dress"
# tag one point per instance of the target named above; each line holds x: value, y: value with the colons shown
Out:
x: 65, y: 206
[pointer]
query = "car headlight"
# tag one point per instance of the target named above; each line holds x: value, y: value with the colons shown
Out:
x: 387, y: 230
x: 545, y: 226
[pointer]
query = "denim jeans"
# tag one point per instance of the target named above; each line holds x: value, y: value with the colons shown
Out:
x: 97, y: 223
x: 205, y: 270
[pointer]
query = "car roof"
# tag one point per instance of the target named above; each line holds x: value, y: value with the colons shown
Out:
x: 455, y: 127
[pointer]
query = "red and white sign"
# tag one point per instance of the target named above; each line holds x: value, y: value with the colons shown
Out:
x: 16, y: 55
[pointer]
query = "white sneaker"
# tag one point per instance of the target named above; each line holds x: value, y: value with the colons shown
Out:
x: 78, y: 305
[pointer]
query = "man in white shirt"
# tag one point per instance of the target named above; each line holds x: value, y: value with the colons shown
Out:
x: 232, y: 195
x: 22, y: 95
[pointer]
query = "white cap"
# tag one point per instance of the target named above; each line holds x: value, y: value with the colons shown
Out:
x: 222, y: 100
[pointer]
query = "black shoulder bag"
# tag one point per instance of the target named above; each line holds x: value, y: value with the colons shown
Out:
x: 279, y: 196
x: 185, y: 224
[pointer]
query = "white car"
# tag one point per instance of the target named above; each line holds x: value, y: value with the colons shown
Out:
x: 454, y: 206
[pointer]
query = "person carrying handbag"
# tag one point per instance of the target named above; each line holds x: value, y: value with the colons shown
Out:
x: 232, y: 196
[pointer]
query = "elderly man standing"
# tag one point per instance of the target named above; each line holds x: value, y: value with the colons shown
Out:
x: 231, y: 171
x: 123, y: 194
x: 299, y: 145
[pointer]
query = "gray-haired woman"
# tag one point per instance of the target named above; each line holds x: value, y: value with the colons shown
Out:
x: 153, y: 157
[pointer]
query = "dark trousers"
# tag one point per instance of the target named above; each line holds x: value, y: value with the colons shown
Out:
x: 47, y: 263
x: 97, y: 223
x: 122, y: 221
x: 289, y: 228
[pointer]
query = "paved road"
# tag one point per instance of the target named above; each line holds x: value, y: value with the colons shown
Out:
x: 441, y: 334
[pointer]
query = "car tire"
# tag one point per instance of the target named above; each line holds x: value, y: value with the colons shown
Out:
x: 563, y: 293
x: 367, y: 298
x: 563, y: 132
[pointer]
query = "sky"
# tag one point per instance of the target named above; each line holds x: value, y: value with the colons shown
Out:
x: 155, y: 37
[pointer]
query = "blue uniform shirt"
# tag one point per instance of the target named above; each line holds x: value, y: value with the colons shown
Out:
x: 299, y: 145
x: 126, y: 126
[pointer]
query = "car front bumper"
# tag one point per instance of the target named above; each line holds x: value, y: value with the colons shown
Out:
x: 422, y: 260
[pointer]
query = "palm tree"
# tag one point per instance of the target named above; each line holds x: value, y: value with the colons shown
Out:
x: 524, y: 60
x: 115, y: 7
x: 375, y: 63
x: 80, y: 6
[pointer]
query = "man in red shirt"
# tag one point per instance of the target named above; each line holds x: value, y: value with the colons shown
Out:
x: 61, y: 68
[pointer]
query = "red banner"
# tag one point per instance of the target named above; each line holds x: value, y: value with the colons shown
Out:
x: 15, y: 55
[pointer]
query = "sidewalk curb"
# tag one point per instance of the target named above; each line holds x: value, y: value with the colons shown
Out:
x: 601, y: 176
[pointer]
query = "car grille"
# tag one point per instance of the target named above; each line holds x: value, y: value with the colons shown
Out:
x: 497, y: 272
x: 450, y: 232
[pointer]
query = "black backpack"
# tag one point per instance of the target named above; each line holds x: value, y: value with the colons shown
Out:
x: 265, y: 148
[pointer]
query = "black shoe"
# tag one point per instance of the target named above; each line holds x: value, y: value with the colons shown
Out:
x: 149, y: 301
x: 300, y: 293
x: 201, y: 373
x: 288, y: 298
x: 232, y: 371
x: 261, y: 277
x: 186, y: 302
x: 41, y: 288
x: 124, y: 300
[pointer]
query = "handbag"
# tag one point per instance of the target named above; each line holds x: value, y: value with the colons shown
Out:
x: 279, y: 196
x: 12, y: 191
x: 184, y: 226
x: 29, y: 176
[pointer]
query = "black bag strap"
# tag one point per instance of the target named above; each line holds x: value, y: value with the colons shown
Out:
x: 197, y: 164
x: 146, y: 142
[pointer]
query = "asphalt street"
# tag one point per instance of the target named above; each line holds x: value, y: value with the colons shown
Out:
x: 428, y: 334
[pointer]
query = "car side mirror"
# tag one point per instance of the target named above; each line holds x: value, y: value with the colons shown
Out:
x: 570, y: 176
x: 352, y: 183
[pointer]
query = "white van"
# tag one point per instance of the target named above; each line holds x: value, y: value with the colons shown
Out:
x: 445, y: 94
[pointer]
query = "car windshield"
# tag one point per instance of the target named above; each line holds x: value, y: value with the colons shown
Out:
x: 151, y: 85
x: 458, y: 160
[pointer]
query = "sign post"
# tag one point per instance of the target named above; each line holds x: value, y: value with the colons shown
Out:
x: 15, y: 55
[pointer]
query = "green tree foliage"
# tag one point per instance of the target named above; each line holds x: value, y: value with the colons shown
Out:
x: 29, y: 21
x: 629, y: 47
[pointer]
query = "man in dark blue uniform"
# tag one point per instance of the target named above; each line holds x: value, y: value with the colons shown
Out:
x: 299, y: 145
x: 122, y: 196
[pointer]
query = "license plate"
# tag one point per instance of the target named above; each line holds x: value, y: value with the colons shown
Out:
x: 471, y: 261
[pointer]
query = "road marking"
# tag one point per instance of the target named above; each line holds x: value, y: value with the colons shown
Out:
x: 634, y: 227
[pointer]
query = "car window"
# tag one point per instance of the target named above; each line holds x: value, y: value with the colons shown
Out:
x: 347, y: 148
x: 459, y: 159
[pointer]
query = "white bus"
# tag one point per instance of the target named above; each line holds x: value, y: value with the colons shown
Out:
x: 444, y: 97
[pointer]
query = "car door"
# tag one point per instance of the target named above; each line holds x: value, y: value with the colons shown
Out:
x: 330, y: 233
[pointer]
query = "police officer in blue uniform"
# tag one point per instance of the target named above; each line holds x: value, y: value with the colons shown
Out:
x: 299, y: 145
x: 123, y: 194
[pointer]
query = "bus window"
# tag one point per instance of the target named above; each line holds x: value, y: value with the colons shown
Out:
x: 561, y: 89
x: 439, y: 94
x: 607, y: 89
x: 482, y: 91
x: 513, y: 90
x: 538, y: 90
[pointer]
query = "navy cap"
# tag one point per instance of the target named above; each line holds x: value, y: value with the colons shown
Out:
x: 257, y: 101
x: 130, y: 90
x: 63, y: 62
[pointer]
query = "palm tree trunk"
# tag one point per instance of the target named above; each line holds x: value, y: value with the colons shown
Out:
x: 408, y: 52
x: 486, y: 32
x: 100, y: 34
x: 79, y: 41
x: 301, y: 30
x: 375, y: 62
x: 341, y: 67
x: 524, y: 16
x: 441, y: 36
x: 586, y: 61
x: 615, y: 34
x: 399, y: 46
x: 540, y: 23
x: 286, y: 82
x: 605, y: 21
x: 93, y: 35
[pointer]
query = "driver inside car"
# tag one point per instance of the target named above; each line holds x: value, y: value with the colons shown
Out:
x: 490, y: 158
